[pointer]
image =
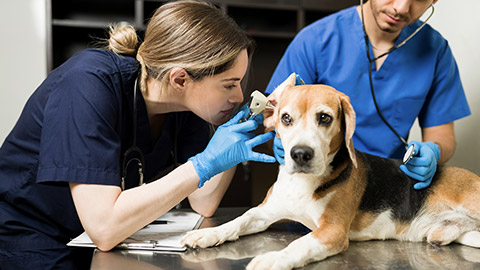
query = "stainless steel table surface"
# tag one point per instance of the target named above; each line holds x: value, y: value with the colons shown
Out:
x: 236, y: 255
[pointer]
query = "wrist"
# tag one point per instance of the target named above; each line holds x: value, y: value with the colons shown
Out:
x: 435, y: 148
x: 199, y: 169
x: 201, y: 163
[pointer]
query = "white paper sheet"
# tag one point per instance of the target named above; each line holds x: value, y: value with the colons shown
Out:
x: 165, y: 236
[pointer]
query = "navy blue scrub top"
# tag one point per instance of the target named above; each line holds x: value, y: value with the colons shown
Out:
x: 75, y: 128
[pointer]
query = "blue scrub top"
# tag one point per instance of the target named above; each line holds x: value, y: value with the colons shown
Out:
x: 75, y: 128
x: 419, y: 79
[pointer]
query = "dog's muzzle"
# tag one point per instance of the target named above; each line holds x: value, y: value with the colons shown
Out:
x: 302, y: 155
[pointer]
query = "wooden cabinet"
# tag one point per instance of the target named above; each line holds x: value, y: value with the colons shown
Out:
x: 73, y: 25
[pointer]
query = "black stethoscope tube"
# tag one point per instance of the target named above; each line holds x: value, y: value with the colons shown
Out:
x: 371, y: 61
x: 133, y: 149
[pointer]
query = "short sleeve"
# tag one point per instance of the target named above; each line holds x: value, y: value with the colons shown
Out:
x: 446, y: 101
x: 79, y: 140
x: 299, y: 57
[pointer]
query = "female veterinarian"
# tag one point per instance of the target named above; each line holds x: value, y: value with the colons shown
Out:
x: 89, y: 124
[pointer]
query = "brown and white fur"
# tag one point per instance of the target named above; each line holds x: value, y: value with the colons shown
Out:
x: 340, y: 193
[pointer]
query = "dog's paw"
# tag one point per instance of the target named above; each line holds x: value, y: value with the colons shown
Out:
x: 203, y: 238
x: 270, y: 260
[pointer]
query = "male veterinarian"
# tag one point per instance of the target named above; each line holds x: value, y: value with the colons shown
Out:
x: 418, y: 79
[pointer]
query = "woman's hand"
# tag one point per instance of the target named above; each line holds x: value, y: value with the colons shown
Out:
x: 231, y: 144
x: 278, y: 150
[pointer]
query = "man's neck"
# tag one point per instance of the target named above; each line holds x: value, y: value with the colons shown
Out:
x: 380, y: 41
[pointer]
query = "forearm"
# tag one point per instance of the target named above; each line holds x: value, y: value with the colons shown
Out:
x: 110, y: 215
x: 206, y: 199
x: 444, y: 137
x: 447, y: 149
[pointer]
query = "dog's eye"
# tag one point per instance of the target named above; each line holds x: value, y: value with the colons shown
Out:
x: 286, y: 119
x: 324, y: 119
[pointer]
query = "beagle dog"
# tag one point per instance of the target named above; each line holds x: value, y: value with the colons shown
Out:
x: 342, y: 194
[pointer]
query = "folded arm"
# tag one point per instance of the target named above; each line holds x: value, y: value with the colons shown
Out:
x: 109, y: 215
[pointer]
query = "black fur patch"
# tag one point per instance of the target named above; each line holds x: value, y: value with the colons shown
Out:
x: 341, y: 157
x: 388, y: 188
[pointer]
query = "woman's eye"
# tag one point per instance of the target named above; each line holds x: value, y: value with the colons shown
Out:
x: 230, y: 87
x: 286, y: 119
x: 324, y: 119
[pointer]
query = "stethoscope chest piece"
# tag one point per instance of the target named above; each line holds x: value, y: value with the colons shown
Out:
x: 409, y: 154
x: 133, y: 150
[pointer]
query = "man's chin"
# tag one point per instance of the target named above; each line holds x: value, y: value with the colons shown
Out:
x: 391, y: 29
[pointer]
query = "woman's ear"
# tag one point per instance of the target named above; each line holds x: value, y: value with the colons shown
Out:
x: 179, y: 79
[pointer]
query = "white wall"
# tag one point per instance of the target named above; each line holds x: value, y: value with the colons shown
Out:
x: 23, y: 64
x: 459, y: 24
x: 23, y: 56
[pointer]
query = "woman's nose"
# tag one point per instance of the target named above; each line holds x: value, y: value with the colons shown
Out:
x: 237, y: 96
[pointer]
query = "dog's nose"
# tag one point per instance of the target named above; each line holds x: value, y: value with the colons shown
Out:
x: 301, y: 154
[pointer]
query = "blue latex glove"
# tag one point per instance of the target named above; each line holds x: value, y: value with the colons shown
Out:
x: 231, y: 144
x: 246, y: 110
x: 298, y: 80
x: 423, y: 165
x: 278, y: 150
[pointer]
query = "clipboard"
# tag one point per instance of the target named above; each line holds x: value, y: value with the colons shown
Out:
x: 163, y: 234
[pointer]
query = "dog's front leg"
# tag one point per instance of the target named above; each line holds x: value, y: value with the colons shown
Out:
x: 315, y: 246
x: 255, y: 220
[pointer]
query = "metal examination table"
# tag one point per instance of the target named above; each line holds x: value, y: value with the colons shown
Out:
x: 236, y: 255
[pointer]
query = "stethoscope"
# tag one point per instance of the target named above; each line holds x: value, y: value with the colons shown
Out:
x: 135, y: 151
x: 410, y: 150
x: 139, y: 158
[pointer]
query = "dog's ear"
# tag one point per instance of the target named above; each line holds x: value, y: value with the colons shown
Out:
x: 270, y: 115
x: 349, y: 118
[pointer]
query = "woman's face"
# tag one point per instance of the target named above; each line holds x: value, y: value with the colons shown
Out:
x: 214, y: 98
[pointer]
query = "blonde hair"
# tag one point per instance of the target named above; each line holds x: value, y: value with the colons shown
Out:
x: 193, y: 35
